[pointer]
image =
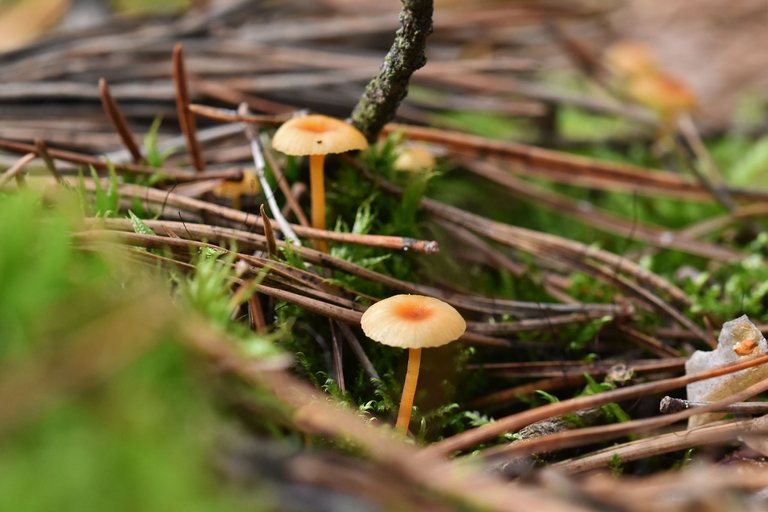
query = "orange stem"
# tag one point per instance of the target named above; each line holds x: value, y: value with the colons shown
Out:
x: 409, y: 390
x: 317, y: 190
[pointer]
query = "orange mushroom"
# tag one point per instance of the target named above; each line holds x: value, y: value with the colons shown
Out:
x: 233, y: 190
x: 641, y: 78
x: 317, y: 136
x: 666, y: 95
x: 413, y: 322
x: 630, y: 58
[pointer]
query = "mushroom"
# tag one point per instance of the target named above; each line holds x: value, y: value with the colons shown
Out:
x: 413, y: 322
x: 641, y: 78
x: 663, y: 93
x: 232, y: 190
x: 630, y: 58
x: 415, y: 159
x: 317, y: 136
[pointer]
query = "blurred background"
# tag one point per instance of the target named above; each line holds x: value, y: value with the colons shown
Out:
x: 494, y: 57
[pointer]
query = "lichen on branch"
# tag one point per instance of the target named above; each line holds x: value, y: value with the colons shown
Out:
x: 386, y: 90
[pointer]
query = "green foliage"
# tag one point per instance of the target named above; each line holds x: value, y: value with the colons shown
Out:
x: 616, y: 466
x: 734, y: 289
x: 362, y: 225
x: 139, y: 437
x: 487, y: 124
x: 138, y: 225
x: 571, y: 418
x: 139, y: 443
x: 105, y: 201
x: 415, y: 188
x: 289, y: 255
x: 385, y: 402
x: 575, y: 123
x: 584, y: 334
x: 208, y: 290
x: 750, y: 161
x: 612, y: 412
x: 40, y: 270
x: 685, y: 460
x: 149, y: 7
x: 549, y: 397
x: 154, y: 156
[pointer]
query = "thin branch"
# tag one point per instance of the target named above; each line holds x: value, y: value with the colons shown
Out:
x: 602, y: 433
x: 268, y: 233
x: 42, y: 152
x: 14, y: 171
x: 101, y: 163
x: 186, y: 119
x: 514, y: 422
x: 384, y: 93
x: 657, y: 445
x: 290, y: 199
x: 337, y: 358
x: 348, y: 314
x: 249, y: 240
x: 603, y: 220
x: 118, y: 121
x: 232, y: 116
x: 568, y: 368
x: 703, y: 166
x: 258, y: 162
x: 568, y: 168
x: 669, y: 405
x: 358, y: 350
x: 161, y: 197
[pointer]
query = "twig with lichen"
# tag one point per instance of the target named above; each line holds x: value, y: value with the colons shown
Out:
x: 386, y: 90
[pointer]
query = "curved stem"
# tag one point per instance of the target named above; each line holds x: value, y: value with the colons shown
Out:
x: 317, y: 190
x: 409, y: 390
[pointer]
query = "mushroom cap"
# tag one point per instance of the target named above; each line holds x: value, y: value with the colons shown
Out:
x: 317, y: 135
x: 248, y: 185
x: 663, y: 93
x: 415, y: 159
x: 631, y: 58
x: 412, y: 321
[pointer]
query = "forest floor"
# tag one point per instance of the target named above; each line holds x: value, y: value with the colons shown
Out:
x: 595, y: 211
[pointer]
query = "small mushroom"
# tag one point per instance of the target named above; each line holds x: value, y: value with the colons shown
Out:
x: 317, y: 136
x: 630, y: 58
x: 413, y: 322
x: 233, y: 190
x: 415, y: 159
x: 663, y: 93
x: 641, y: 78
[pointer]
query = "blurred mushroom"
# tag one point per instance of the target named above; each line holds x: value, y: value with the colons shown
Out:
x: 630, y: 58
x: 662, y: 93
x: 413, y: 322
x: 233, y: 190
x: 640, y: 77
x: 415, y: 159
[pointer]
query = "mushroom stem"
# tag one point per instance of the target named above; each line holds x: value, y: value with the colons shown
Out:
x: 317, y: 190
x: 409, y: 389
